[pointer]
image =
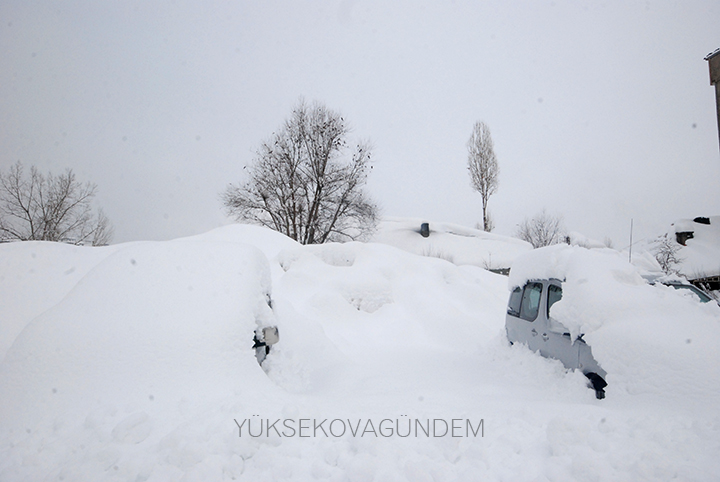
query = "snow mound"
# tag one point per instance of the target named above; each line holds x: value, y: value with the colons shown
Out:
x: 387, y: 295
x: 35, y: 276
x: 266, y: 240
x: 152, y: 337
x: 455, y: 243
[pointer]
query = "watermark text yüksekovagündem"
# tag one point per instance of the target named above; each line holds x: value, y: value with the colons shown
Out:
x: 402, y: 427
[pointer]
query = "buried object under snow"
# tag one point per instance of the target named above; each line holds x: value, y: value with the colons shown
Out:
x: 263, y: 340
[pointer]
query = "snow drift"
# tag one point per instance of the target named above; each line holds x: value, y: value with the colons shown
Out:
x: 136, y: 364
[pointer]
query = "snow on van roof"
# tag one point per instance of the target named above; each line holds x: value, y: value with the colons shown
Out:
x: 572, y: 264
x: 596, y: 282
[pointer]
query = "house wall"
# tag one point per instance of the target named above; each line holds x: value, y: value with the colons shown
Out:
x: 714, y: 63
x: 717, y: 100
x: 714, y: 69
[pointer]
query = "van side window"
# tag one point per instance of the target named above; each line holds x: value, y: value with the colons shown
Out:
x: 514, y: 303
x: 530, y: 304
x: 554, y: 295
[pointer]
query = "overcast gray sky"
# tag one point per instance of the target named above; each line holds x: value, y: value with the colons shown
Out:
x: 600, y: 111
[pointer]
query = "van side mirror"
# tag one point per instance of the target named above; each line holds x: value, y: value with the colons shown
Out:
x: 267, y: 336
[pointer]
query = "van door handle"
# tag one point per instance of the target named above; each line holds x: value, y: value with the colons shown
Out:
x: 534, y: 332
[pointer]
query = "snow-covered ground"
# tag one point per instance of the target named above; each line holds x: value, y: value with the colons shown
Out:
x: 134, y: 362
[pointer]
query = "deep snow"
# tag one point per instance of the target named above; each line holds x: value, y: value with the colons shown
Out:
x: 132, y: 362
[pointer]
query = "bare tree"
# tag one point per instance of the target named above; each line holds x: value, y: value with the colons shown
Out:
x: 49, y: 208
x: 483, y: 167
x: 542, y: 230
x: 666, y: 254
x: 306, y: 182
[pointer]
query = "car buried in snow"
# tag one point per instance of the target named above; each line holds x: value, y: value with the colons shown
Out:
x: 528, y: 321
x: 689, y: 289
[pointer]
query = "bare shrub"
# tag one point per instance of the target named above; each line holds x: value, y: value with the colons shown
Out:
x: 50, y: 208
x: 542, y: 230
x: 666, y: 254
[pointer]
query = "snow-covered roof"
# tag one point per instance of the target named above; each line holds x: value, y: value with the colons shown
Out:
x: 701, y: 256
x: 456, y: 243
x: 712, y: 54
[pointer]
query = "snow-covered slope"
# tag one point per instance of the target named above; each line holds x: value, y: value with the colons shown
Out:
x: 35, y: 276
x: 143, y: 370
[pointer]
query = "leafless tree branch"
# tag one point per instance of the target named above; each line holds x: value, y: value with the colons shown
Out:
x: 666, y: 254
x: 303, y: 182
x: 49, y: 208
x: 542, y: 230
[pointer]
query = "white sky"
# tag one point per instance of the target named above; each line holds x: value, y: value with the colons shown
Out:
x: 600, y: 111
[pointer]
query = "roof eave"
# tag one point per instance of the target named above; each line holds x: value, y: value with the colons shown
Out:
x: 712, y: 54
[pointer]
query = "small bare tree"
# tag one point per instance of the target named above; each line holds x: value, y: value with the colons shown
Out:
x: 666, y: 254
x: 542, y: 230
x: 300, y: 184
x: 483, y: 167
x: 49, y: 208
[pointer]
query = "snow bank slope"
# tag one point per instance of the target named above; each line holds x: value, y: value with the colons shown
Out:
x: 35, y: 276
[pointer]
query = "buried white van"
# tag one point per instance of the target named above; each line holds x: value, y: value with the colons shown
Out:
x: 529, y: 320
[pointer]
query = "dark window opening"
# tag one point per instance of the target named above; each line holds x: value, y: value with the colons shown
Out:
x: 554, y: 295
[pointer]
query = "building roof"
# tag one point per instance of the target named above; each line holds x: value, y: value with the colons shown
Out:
x: 700, y: 257
x: 712, y: 54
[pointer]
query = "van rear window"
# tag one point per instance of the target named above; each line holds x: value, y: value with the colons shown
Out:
x: 554, y: 295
